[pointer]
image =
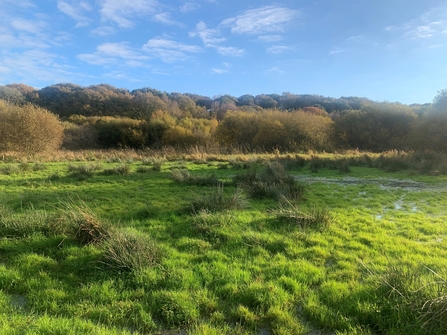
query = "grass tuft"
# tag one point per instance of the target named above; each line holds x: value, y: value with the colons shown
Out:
x: 313, y: 217
x: 83, y: 171
x: 121, y: 169
x: 129, y: 251
x: 273, y: 182
x: 217, y: 200
x: 204, y: 222
x: 185, y: 177
x: 80, y: 222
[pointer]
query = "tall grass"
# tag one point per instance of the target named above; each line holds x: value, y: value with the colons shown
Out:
x: 314, y: 217
x: 413, y: 299
x: 272, y: 182
x: 185, y: 177
x: 130, y: 251
x: 26, y: 223
x: 82, y: 224
x: 83, y: 171
x: 218, y: 200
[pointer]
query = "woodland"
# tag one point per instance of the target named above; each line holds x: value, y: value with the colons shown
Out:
x: 106, y: 117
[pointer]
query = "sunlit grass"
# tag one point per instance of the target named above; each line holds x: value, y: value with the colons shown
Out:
x: 240, y: 270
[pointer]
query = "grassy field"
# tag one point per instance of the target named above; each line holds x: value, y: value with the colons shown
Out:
x: 221, y: 245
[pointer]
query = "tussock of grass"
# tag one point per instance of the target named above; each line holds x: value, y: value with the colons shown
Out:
x: 185, y: 177
x: 304, y: 217
x: 83, y: 171
x: 121, y: 169
x: 414, y: 297
x: 81, y: 223
x: 10, y: 169
x: 217, y: 200
x: 273, y: 182
x: 143, y: 169
x: 39, y: 167
x: 129, y: 251
x: 204, y: 221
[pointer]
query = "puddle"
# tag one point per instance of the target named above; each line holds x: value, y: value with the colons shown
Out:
x: 383, y: 183
x: 18, y: 301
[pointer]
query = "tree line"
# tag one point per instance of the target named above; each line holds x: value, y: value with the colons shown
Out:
x: 102, y: 116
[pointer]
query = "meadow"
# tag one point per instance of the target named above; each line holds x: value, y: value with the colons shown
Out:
x: 153, y: 243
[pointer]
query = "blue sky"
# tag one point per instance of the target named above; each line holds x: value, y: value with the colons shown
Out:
x: 391, y: 50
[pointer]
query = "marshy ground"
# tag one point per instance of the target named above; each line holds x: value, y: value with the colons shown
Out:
x: 220, y: 245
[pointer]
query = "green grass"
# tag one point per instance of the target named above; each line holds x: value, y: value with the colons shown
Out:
x: 361, y: 251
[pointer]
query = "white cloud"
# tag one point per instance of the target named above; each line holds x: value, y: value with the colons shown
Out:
x: 75, y: 12
x: 421, y: 32
x: 263, y: 20
x: 166, y: 19
x: 124, y: 13
x: 336, y: 51
x: 60, y: 38
x: 21, y: 3
x: 430, y: 24
x: 170, y: 44
x: 22, y: 41
x: 29, y: 26
x: 119, y: 50
x: 270, y: 38
x: 103, y: 31
x: 115, y: 53
x: 279, y: 49
x: 209, y: 37
x: 275, y: 70
x: 34, y: 66
x: 168, y: 50
x: 354, y: 38
x: 230, y: 51
x: 97, y: 59
x: 188, y: 7
x: 219, y: 71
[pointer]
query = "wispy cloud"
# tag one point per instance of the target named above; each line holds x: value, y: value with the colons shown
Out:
x: 188, y: 7
x: 123, y: 14
x: 22, y: 41
x: 75, y: 12
x: 263, y: 20
x: 431, y: 24
x: 20, y: 3
x: 219, y: 71
x: 209, y: 36
x: 267, y: 22
x: 103, y: 31
x: 230, y: 51
x: 115, y: 53
x: 336, y: 51
x: 224, y: 68
x: 212, y: 38
x: 275, y: 70
x: 168, y: 50
x: 270, y: 38
x: 354, y: 38
x: 165, y: 18
x: 279, y: 49
x: 29, y: 26
x: 35, y: 67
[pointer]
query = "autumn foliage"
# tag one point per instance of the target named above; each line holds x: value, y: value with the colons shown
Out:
x: 28, y: 129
